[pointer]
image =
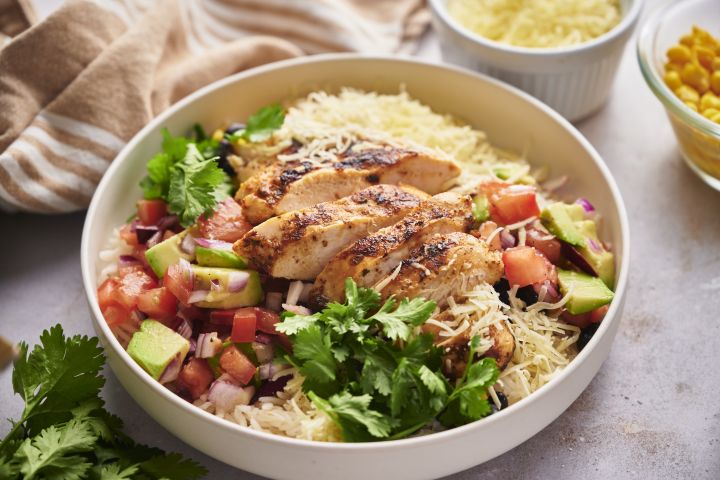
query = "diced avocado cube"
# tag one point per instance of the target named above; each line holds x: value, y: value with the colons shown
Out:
x: 593, y: 251
x: 559, y: 219
x: 166, y: 253
x: 587, y: 293
x: 215, y: 257
x: 155, y: 346
x: 516, y: 171
x: 480, y: 208
x: 220, y: 295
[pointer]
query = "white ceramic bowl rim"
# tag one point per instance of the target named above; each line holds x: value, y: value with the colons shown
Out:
x: 91, y: 287
x: 628, y: 19
x: 646, y: 59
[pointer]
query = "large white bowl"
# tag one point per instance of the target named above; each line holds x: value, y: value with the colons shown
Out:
x: 512, y: 120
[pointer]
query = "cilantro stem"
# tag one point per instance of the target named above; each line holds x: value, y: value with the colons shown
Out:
x: 407, y: 431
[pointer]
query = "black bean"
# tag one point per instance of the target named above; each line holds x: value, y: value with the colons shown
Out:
x: 502, y: 287
x: 503, y: 402
x: 528, y: 295
x: 586, y: 334
x: 225, y: 149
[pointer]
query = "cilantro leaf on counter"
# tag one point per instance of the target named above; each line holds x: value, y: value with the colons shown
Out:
x: 261, y: 124
x: 64, y: 431
x: 366, y: 366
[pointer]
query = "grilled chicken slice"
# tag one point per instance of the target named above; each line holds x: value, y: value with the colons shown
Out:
x: 297, y: 245
x: 284, y: 187
x: 456, y: 353
x: 445, y: 265
x: 373, y: 258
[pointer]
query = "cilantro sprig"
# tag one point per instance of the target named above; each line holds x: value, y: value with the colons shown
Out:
x: 374, y: 376
x: 187, y: 173
x: 64, y: 431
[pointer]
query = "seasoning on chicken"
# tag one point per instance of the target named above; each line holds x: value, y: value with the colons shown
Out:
x: 444, y: 265
x: 373, y: 259
x: 297, y: 245
x: 284, y: 187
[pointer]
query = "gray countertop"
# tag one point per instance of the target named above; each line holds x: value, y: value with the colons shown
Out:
x: 653, y: 411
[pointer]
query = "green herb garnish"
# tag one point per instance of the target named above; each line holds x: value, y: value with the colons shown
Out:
x: 261, y: 124
x: 64, y: 431
x: 368, y: 370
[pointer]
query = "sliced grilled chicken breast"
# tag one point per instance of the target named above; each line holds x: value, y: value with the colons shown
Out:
x: 456, y: 352
x: 297, y: 245
x: 445, y: 265
x: 284, y: 187
x: 373, y: 258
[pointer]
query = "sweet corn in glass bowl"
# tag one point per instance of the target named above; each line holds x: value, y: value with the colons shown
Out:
x: 698, y: 136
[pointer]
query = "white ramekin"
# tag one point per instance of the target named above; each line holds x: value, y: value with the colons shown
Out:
x: 575, y: 80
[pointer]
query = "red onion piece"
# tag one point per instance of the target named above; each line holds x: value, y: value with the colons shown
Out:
x: 572, y: 254
x: 198, y: 296
x: 293, y: 293
x: 237, y: 281
x: 168, y: 222
x: 506, y: 239
x: 172, y: 370
x: 587, y: 206
x: 145, y: 233
x: 188, y: 245
x: 297, y: 309
x: 208, y: 345
x: 154, y: 239
x: 227, y: 396
x: 269, y: 370
x: 261, y: 337
x: 193, y: 346
x: 594, y: 245
x: 128, y: 261
x: 215, y: 285
x: 263, y: 352
x: 184, y: 328
x: 273, y: 301
x: 215, y: 244
x: 187, y: 271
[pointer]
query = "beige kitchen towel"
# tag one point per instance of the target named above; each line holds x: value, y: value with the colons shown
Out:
x: 76, y: 87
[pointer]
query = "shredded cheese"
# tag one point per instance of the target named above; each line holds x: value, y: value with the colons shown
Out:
x: 537, y: 23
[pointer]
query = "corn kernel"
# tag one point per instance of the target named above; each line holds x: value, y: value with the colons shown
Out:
x: 716, y: 118
x: 679, y: 54
x: 710, y: 112
x: 709, y: 100
x: 673, y: 67
x: 218, y: 135
x: 704, y: 56
x: 687, y: 40
x: 715, y: 82
x: 687, y: 94
x: 715, y: 65
x: 693, y: 106
x: 672, y: 80
x: 703, y: 37
x: 692, y: 74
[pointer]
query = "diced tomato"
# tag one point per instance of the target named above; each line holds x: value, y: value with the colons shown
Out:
x: 514, y: 203
x: 525, y: 266
x: 132, y: 284
x: 485, y: 230
x: 128, y: 236
x: 597, y: 315
x: 227, y: 222
x: 266, y: 320
x: 115, y: 315
x: 550, y: 247
x: 196, y: 376
x: 234, y: 362
x: 222, y: 317
x: 178, y: 281
x: 106, y: 293
x: 244, y: 325
x: 151, y: 211
x: 582, y: 320
x: 158, y: 303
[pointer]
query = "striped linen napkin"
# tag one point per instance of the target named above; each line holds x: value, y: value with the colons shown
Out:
x: 77, y: 86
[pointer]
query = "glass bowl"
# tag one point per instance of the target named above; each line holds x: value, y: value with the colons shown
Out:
x: 698, y: 137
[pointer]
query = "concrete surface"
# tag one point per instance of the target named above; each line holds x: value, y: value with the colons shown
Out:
x: 652, y: 412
